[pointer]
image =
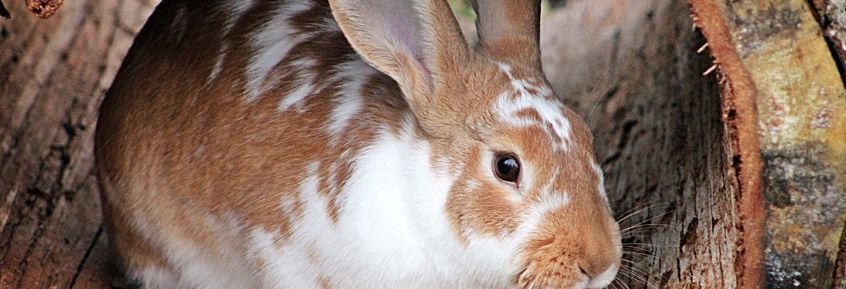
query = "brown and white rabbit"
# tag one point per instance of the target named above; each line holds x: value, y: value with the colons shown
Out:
x: 348, y: 144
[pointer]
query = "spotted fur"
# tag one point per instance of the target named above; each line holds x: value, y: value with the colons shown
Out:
x: 347, y: 144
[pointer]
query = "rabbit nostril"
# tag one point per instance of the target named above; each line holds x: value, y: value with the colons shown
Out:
x: 583, y: 270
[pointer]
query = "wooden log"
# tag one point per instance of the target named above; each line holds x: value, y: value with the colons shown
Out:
x: 773, y: 56
x: 831, y: 16
x: 53, y: 74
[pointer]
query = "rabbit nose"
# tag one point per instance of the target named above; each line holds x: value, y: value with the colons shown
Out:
x: 599, y: 261
x: 598, y: 254
x: 590, y: 269
x: 582, y: 269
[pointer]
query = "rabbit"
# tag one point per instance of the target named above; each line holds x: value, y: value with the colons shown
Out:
x: 348, y: 144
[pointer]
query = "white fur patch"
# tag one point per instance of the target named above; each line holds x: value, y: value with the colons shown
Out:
x: 348, y: 102
x: 270, y: 44
x: 304, y: 86
x: 197, y: 267
x: 232, y: 11
x: 156, y: 278
x: 551, y: 202
x: 600, y: 187
x: 550, y: 110
x: 217, y: 67
x: 392, y: 230
x: 282, y: 266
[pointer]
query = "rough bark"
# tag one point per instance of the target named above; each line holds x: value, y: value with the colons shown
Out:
x: 53, y: 74
x: 831, y: 16
x: 632, y: 67
x: 778, y: 50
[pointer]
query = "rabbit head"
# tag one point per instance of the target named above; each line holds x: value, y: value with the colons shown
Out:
x: 526, y: 201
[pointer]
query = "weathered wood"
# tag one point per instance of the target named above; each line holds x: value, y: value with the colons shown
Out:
x: 633, y: 69
x: 831, y: 16
x: 53, y: 74
x: 776, y: 50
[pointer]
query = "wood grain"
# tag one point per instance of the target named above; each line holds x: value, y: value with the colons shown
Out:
x: 53, y: 74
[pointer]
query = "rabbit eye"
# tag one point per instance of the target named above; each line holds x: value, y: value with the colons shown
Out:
x: 507, y: 167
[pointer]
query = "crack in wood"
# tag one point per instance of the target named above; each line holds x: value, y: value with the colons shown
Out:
x: 3, y: 12
x: 81, y: 264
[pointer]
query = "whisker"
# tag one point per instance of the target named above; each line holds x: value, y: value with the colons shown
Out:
x: 638, y: 249
x: 637, y: 277
x: 644, y: 228
x: 653, y: 218
x: 635, y: 208
x: 648, y: 245
x: 626, y: 286
x: 634, y: 211
x: 614, y: 284
x: 621, y: 284
x: 635, y: 252
x: 632, y: 277
x: 642, y: 225
x: 633, y: 267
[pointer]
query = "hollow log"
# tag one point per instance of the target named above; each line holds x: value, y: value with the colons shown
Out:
x: 721, y: 126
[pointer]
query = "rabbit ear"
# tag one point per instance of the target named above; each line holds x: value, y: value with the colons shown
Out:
x: 509, y: 29
x: 417, y: 43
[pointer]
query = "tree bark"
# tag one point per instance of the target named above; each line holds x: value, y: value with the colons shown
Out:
x: 774, y: 56
x: 749, y: 158
x: 53, y: 74
x: 633, y: 69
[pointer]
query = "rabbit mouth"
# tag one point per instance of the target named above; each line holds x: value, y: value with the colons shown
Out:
x: 552, y: 264
x: 558, y: 275
x: 532, y: 277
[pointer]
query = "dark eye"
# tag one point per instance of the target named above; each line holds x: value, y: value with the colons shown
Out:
x: 507, y: 167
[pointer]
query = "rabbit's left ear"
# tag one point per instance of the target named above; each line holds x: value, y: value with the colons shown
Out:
x: 417, y: 43
x: 509, y: 29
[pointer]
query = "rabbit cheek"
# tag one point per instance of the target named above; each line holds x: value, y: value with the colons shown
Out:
x: 480, y: 207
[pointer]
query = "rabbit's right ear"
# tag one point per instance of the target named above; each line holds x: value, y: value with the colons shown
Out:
x: 510, y: 29
x: 416, y: 42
